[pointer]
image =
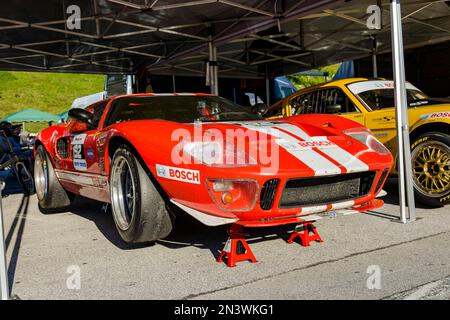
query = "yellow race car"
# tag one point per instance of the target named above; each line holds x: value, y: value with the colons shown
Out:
x: 371, y: 103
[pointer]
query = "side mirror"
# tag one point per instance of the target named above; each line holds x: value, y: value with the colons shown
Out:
x: 81, y: 115
x: 334, y: 108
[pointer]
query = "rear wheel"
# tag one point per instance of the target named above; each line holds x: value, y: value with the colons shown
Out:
x: 431, y: 168
x: 52, y: 197
x: 139, y: 211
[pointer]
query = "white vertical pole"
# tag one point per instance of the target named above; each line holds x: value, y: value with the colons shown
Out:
x: 212, y: 72
x: 4, y: 291
x: 406, y: 190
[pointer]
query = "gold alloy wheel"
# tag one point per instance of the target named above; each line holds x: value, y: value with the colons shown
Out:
x: 431, y: 168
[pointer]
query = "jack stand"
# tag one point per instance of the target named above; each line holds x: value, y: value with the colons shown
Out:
x: 236, y: 248
x: 303, y: 232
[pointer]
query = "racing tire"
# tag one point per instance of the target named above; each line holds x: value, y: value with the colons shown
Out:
x: 430, y: 155
x: 52, y: 197
x: 138, y: 208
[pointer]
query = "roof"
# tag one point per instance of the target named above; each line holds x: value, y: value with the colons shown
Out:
x: 31, y: 115
x: 171, y: 36
x: 120, y: 36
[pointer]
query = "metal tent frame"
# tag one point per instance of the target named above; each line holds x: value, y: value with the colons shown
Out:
x: 282, y: 36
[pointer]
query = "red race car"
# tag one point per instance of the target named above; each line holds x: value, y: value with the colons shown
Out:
x: 147, y: 154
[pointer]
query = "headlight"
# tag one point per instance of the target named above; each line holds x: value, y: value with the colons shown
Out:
x: 233, y: 194
x: 217, y: 154
x: 364, y: 136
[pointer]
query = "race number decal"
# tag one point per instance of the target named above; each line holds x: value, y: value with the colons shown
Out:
x: 78, y: 156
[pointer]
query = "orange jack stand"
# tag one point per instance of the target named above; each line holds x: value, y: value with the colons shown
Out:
x: 236, y: 248
x: 303, y: 232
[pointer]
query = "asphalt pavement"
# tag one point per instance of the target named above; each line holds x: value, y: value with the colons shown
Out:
x: 79, y: 255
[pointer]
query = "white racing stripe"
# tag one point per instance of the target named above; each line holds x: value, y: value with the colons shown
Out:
x: 319, y: 164
x: 345, y: 158
x: 343, y: 205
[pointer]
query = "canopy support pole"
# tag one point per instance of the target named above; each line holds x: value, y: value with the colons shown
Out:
x: 4, y: 291
x: 374, y: 57
x: 213, y: 69
x: 406, y: 190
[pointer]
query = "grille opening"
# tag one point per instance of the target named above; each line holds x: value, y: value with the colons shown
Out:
x: 62, y: 146
x: 268, y: 192
x: 325, y: 190
x: 382, y: 180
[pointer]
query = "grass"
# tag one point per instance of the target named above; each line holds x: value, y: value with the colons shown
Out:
x: 49, y: 92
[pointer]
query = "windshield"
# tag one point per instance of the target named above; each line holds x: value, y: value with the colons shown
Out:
x: 182, y: 109
x: 380, y: 94
x: 384, y: 98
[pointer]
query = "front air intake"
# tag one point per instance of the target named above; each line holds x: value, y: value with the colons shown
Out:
x: 325, y: 190
x: 268, y: 193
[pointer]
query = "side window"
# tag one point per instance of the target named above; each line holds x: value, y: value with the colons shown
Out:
x: 275, y: 111
x: 297, y: 105
x: 324, y: 101
x: 98, y: 110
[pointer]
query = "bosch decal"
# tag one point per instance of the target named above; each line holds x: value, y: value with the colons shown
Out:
x: 436, y: 115
x: 178, y: 174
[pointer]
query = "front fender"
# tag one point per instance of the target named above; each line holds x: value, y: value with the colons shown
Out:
x: 46, y: 137
x: 431, y: 118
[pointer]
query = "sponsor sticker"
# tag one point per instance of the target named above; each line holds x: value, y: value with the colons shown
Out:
x: 178, y: 174
x: 79, y: 139
x: 304, y: 145
x: 90, y: 153
x: 79, y: 160
x: 436, y: 115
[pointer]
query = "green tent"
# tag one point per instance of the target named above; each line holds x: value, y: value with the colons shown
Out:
x: 31, y: 115
x: 64, y: 115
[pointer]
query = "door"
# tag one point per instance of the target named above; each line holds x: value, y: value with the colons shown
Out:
x: 85, y: 173
x: 383, y: 125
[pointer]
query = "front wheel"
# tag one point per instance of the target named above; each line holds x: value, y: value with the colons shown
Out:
x: 138, y: 209
x: 430, y: 154
x: 52, y: 197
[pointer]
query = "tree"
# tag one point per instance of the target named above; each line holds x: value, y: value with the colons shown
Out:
x: 302, y: 82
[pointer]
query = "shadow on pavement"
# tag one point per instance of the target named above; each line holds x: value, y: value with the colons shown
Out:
x: 190, y: 232
x: 92, y: 211
x: 187, y: 231
x: 391, y: 187
x: 19, y: 225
